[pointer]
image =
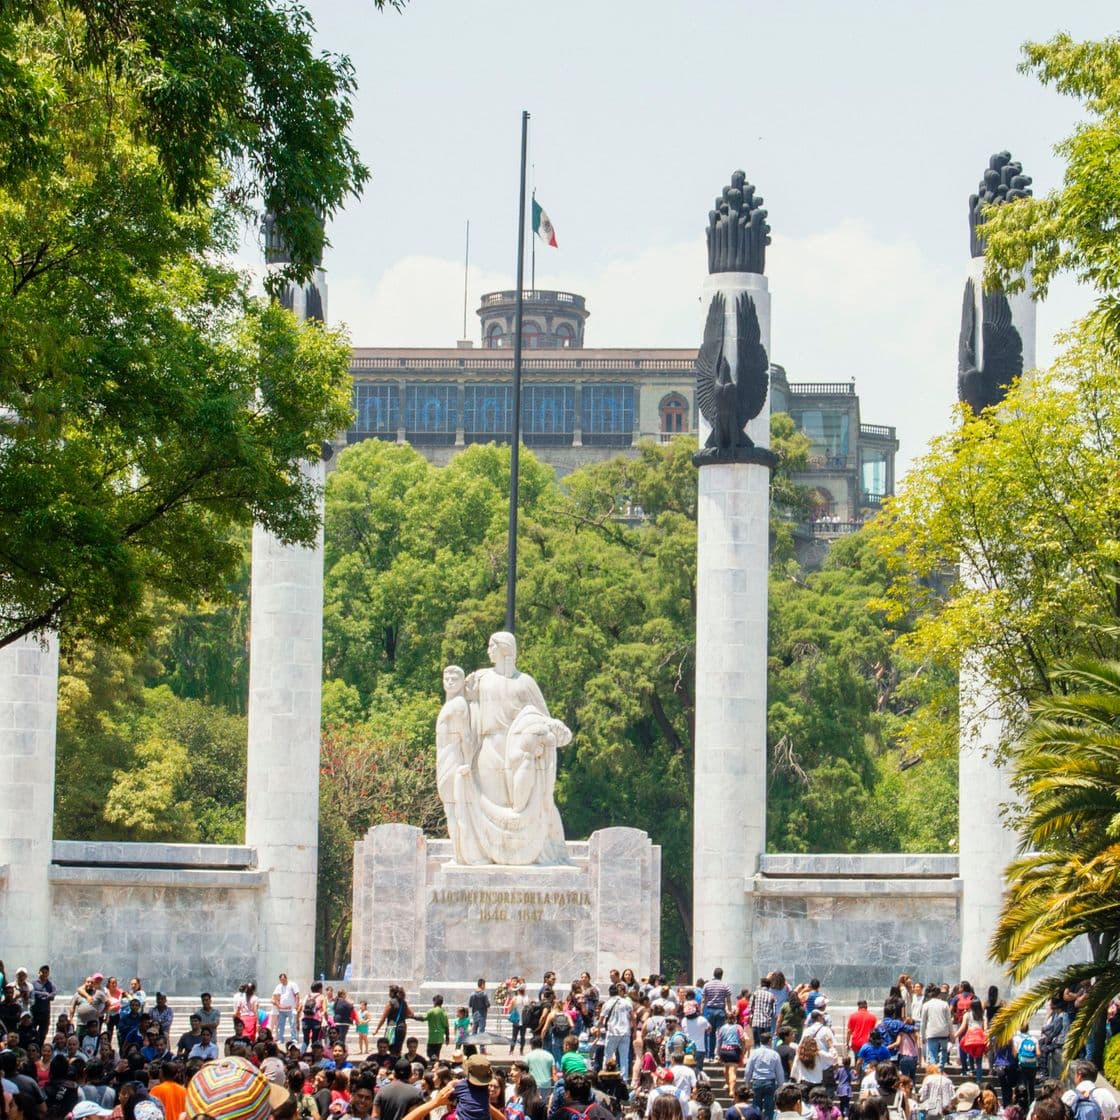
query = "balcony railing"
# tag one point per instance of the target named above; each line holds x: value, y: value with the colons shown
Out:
x: 880, y: 430
x: 823, y: 388
x: 530, y: 295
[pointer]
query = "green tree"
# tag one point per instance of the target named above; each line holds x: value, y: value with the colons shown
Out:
x: 371, y: 774
x: 138, y: 763
x: 1067, y: 884
x: 1026, y: 499
x: 1071, y: 229
x: 147, y: 404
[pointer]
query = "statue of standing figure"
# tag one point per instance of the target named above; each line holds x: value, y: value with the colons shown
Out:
x: 496, y: 750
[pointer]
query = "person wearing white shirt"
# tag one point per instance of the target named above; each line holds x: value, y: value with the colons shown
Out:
x: 204, y: 1050
x: 1101, y: 1095
x: 286, y: 1001
x: 684, y: 1081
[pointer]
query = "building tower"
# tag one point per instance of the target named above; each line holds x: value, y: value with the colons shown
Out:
x: 983, y: 378
x: 549, y: 321
x: 285, y: 694
x: 732, y: 375
x: 28, y: 711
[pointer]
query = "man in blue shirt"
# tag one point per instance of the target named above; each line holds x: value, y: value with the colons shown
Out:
x: 764, y: 1073
x: 872, y: 1051
x: 130, y: 1026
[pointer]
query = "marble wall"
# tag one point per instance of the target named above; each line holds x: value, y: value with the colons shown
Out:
x: 856, y: 921
x: 183, y: 917
x: 421, y: 919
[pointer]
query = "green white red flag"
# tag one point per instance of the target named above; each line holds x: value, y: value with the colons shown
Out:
x: 542, y: 226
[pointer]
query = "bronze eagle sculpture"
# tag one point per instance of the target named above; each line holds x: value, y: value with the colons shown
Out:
x: 981, y: 387
x: 729, y: 402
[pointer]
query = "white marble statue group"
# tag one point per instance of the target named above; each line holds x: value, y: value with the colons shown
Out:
x: 496, y: 764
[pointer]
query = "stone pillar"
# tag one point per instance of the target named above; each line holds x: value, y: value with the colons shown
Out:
x: 285, y: 701
x: 986, y: 845
x: 28, y: 711
x: 282, y: 782
x: 733, y: 537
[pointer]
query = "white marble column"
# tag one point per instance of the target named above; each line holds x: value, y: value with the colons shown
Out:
x: 285, y: 699
x: 985, y: 843
x: 28, y: 713
x: 729, y: 830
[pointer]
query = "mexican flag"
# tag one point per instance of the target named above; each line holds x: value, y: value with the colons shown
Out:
x: 542, y: 227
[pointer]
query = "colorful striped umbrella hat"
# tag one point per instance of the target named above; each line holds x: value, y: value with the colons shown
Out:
x: 233, y: 1089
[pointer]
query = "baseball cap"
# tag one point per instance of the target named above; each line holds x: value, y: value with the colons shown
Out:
x: 478, y: 1071
x: 233, y: 1089
x: 148, y: 1110
x: 665, y: 1075
x: 89, y: 1108
x: 966, y: 1095
x: 98, y: 976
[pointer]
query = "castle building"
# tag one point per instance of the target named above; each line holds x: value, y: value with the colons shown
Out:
x: 581, y: 405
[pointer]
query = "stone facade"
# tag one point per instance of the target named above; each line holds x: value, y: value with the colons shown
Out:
x: 183, y: 917
x: 419, y: 918
x: 856, y: 921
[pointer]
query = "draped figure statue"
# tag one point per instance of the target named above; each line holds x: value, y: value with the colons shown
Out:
x: 496, y: 750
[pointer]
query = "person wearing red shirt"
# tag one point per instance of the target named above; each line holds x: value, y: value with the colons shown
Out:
x: 860, y: 1025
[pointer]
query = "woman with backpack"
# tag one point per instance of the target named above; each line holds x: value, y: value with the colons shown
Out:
x: 314, y: 1009
x: 730, y: 1047
x: 972, y: 1040
x: 555, y: 1027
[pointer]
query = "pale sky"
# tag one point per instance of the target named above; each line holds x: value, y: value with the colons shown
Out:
x: 864, y: 124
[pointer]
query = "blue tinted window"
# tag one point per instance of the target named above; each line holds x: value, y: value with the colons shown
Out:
x: 548, y: 409
x: 488, y: 409
x: 377, y: 409
x: 430, y: 408
x: 608, y: 409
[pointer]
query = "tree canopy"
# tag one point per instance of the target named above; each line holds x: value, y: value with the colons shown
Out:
x: 148, y: 404
x: 1026, y: 498
x: 1071, y: 229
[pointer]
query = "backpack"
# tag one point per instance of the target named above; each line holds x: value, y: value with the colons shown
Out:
x: 1086, y: 1108
x: 807, y: 1051
x: 1027, y: 1054
x: 728, y: 1044
x: 533, y: 1014
x: 577, y: 1114
x: 561, y: 1023
x: 894, y: 1109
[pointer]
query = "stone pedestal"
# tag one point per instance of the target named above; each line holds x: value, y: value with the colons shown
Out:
x: 420, y: 919
x: 28, y: 713
x: 733, y: 538
x: 282, y: 781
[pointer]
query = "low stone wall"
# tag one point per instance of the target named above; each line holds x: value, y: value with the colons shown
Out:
x: 183, y: 917
x: 857, y: 921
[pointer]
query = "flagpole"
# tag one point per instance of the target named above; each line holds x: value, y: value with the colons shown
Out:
x: 466, y: 274
x: 511, y: 570
x: 533, y: 251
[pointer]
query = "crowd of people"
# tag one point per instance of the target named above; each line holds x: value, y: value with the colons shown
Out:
x: 637, y: 1046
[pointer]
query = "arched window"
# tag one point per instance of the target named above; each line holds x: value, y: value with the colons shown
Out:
x: 565, y: 336
x: 530, y: 336
x: 674, y: 414
x: 494, y: 336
